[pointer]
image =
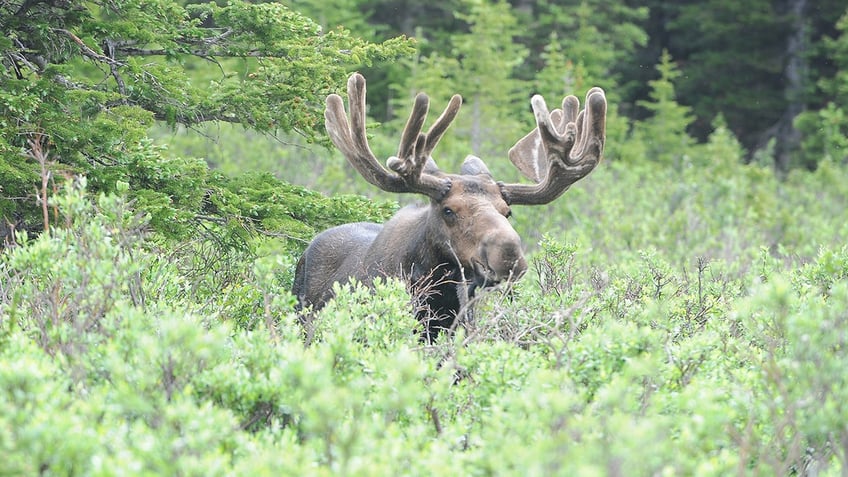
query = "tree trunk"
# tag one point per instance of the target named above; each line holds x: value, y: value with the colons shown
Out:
x: 787, y: 138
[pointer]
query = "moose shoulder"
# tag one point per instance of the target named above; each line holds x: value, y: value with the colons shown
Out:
x: 462, y: 239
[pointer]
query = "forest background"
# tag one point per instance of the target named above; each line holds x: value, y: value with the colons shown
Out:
x: 163, y: 164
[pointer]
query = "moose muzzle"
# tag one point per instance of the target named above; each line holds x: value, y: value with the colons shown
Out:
x: 501, y: 258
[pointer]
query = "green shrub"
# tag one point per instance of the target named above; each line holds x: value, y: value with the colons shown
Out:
x: 668, y: 325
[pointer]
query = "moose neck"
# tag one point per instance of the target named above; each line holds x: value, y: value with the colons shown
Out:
x: 437, y: 278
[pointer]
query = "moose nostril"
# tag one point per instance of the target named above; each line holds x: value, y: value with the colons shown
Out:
x: 511, y: 251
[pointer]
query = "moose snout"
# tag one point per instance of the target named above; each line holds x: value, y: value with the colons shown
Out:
x: 503, y: 257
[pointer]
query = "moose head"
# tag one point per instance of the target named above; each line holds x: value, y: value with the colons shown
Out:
x: 462, y: 239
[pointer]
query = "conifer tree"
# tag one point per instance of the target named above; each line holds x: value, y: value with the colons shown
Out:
x: 826, y: 130
x: 82, y: 82
x: 663, y: 134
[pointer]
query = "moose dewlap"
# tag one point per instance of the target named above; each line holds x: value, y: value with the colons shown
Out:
x: 462, y: 240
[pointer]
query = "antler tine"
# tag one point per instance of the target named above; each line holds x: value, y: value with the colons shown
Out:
x: 570, y: 111
x: 409, y: 163
x: 413, y: 126
x: 350, y: 138
x: 416, y: 161
x: 587, y: 121
x: 548, y: 154
x: 437, y: 130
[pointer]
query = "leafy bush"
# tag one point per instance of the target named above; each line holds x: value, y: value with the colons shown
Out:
x: 722, y: 361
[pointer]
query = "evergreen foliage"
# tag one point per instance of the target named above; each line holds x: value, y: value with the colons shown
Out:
x: 596, y: 36
x: 664, y: 132
x: 826, y: 130
x: 82, y: 84
x: 702, y: 36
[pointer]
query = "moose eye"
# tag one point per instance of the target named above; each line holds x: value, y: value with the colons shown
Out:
x: 448, y: 212
x: 508, y: 213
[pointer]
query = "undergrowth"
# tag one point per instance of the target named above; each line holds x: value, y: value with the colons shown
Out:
x: 635, y: 352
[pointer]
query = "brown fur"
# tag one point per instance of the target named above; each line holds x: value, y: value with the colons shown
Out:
x: 442, y: 252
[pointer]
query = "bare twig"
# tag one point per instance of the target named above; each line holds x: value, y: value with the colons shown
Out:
x: 269, y: 317
x: 37, y: 152
x: 113, y: 68
x: 86, y: 50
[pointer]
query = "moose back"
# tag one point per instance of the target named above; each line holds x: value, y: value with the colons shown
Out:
x: 461, y: 240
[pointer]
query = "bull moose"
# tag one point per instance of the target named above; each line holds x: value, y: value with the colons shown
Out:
x: 461, y: 240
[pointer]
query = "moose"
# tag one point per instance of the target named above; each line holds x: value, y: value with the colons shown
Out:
x: 462, y: 240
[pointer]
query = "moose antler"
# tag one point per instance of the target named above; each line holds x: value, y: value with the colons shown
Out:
x: 565, y: 147
x: 407, y: 172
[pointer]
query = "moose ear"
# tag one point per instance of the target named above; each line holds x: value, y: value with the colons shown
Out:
x: 474, y: 166
x: 431, y: 167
